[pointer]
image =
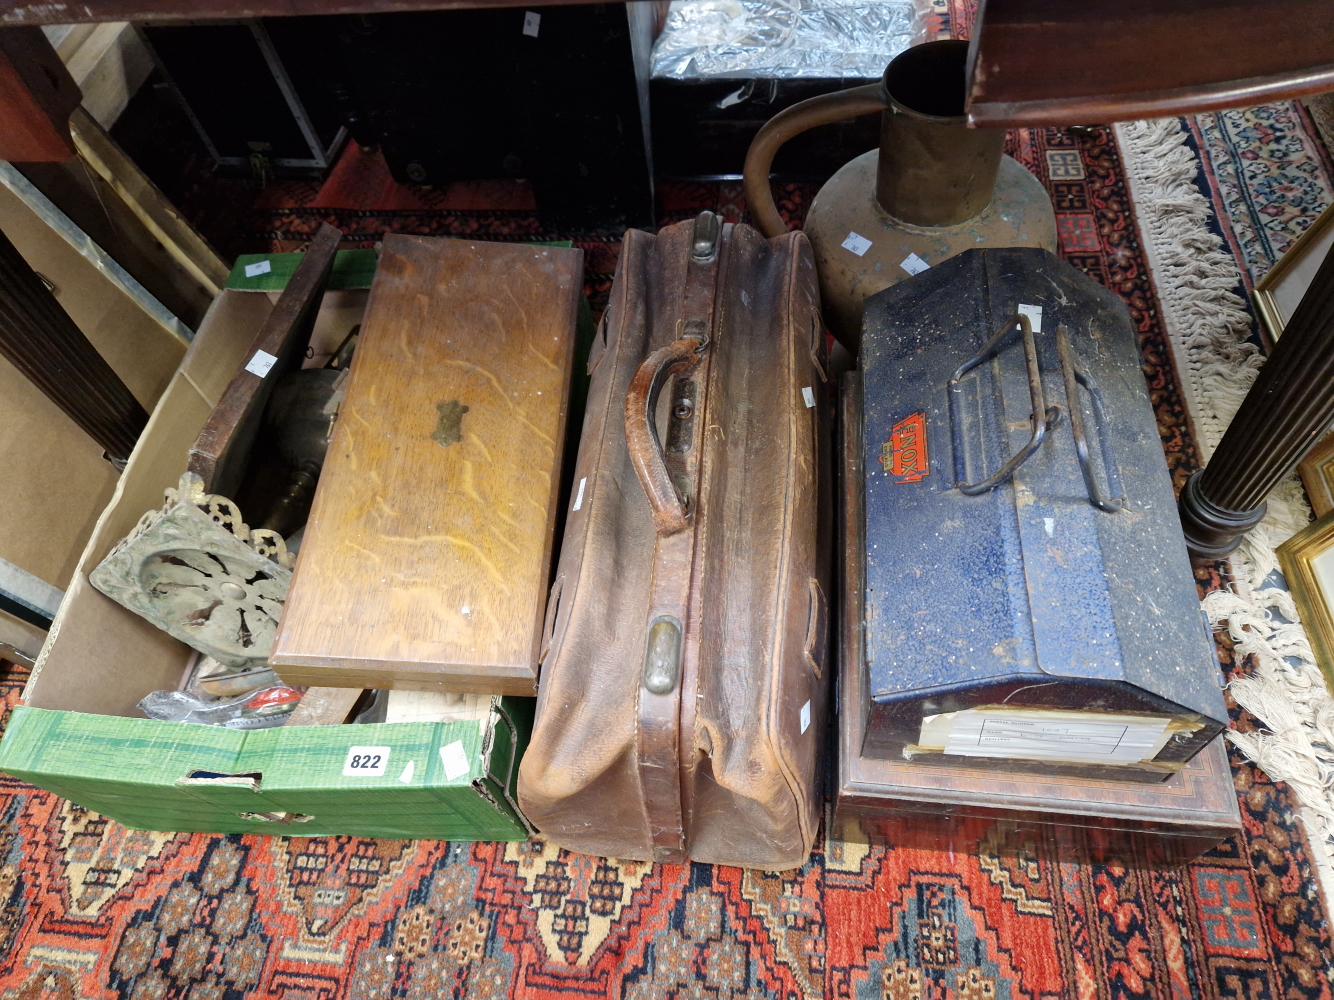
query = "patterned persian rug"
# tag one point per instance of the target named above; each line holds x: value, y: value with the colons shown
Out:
x: 95, y: 910
x: 1219, y: 198
x: 92, y: 910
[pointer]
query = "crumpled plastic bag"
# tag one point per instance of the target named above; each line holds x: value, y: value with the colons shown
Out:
x: 786, y: 39
x: 263, y: 709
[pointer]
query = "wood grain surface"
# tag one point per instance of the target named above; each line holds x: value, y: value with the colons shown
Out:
x: 324, y: 707
x: 219, y: 455
x: 426, y: 560
x: 1053, y: 62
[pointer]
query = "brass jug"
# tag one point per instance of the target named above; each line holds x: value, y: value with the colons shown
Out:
x: 933, y: 189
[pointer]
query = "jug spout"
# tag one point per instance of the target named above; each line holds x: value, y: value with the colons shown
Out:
x: 933, y: 171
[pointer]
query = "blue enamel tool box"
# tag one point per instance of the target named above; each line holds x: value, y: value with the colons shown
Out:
x: 1029, y: 601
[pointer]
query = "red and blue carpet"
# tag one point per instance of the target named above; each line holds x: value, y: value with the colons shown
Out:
x: 93, y: 910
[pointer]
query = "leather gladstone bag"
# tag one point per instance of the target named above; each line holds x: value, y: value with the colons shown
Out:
x: 682, y: 693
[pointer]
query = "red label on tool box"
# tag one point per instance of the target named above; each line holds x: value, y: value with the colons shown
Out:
x: 904, y: 454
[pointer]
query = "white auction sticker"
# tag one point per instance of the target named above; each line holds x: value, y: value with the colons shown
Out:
x: 455, y: 759
x: 808, y: 396
x: 366, y: 762
x: 261, y: 364
x: 256, y: 269
x: 1056, y: 736
x: 806, y: 716
x: 857, y: 244
x: 579, y: 497
x: 914, y: 264
x: 531, y: 22
x: 1034, y: 314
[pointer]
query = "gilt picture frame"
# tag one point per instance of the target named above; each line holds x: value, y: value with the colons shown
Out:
x: 1276, y: 294
x: 1307, y: 561
x: 1317, y: 472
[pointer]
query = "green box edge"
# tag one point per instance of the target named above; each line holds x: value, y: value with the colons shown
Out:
x: 488, y: 803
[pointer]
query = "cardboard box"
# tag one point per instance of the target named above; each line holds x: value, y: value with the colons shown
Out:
x: 78, y: 733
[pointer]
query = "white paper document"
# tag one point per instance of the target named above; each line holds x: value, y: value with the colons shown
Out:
x: 1071, y: 736
x: 437, y: 706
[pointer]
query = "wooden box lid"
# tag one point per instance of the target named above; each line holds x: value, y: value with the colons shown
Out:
x: 426, y: 558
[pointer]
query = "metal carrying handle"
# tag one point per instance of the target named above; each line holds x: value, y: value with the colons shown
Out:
x: 641, y: 431
x: 819, y: 110
x: 1042, y: 419
x: 1074, y: 377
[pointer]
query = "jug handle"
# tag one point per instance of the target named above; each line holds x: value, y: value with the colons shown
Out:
x: 821, y: 110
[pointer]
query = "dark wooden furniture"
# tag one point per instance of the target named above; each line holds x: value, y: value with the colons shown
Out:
x: 1284, y: 415
x: 972, y: 810
x: 24, y: 12
x: 1054, y: 62
x: 1035, y: 62
x: 38, y: 338
x: 37, y: 95
x: 460, y: 95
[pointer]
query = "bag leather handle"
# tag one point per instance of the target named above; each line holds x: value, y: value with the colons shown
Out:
x: 821, y: 110
x: 670, y: 510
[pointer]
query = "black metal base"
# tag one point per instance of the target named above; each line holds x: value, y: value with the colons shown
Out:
x: 1212, y: 532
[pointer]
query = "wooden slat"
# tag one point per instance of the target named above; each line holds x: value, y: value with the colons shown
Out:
x: 38, y: 338
x: 223, y: 447
x: 426, y: 560
x: 158, y: 215
x: 22, y: 12
x: 1054, y: 62
x: 324, y: 707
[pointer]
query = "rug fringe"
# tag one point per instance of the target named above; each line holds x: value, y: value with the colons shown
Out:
x: 1207, y: 325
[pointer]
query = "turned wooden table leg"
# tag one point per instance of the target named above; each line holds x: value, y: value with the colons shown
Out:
x: 40, y: 340
x: 1288, y: 409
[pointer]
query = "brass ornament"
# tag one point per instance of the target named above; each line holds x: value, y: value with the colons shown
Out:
x: 195, y: 570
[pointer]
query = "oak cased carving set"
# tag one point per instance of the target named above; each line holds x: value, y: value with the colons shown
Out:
x: 682, y: 704
x: 425, y: 562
